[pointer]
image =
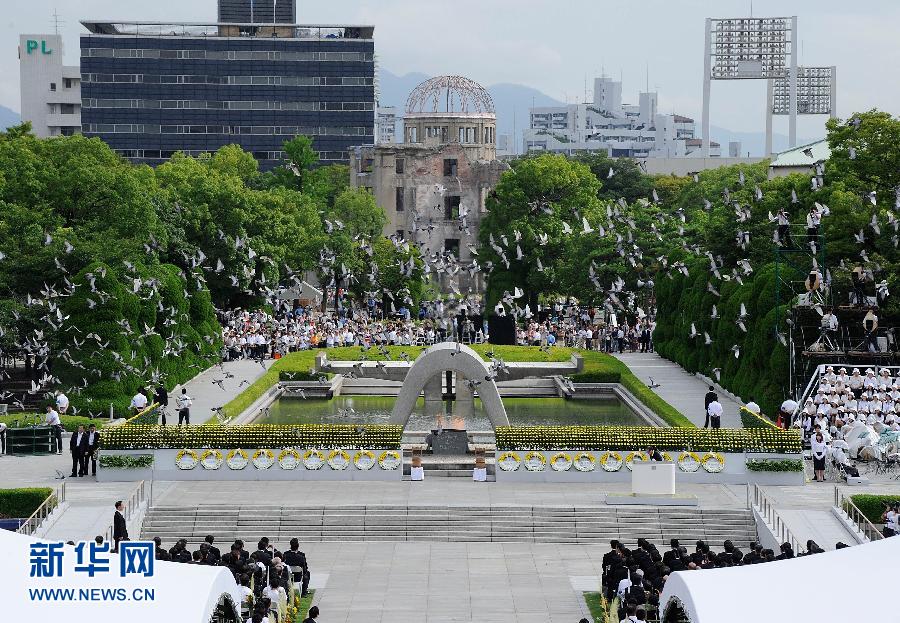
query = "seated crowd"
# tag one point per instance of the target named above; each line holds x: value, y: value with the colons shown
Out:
x: 636, y: 577
x: 843, y: 398
x: 268, y: 578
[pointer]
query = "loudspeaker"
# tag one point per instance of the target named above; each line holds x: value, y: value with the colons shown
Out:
x: 502, y: 330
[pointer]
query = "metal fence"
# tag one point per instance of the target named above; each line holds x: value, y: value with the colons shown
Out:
x: 43, y: 511
x: 766, y: 508
x: 865, y: 527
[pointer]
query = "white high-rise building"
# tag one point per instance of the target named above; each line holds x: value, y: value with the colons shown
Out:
x: 386, y: 125
x: 606, y: 124
x: 51, y: 91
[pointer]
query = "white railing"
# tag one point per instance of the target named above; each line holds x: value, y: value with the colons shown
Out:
x: 765, y: 507
x: 43, y: 511
x: 856, y: 516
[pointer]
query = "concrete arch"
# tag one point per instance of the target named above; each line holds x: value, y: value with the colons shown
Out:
x: 448, y: 356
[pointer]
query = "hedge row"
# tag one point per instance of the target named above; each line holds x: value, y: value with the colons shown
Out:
x: 642, y: 437
x: 775, y: 465
x: 752, y: 420
x: 872, y: 506
x: 142, y: 437
x: 21, y: 503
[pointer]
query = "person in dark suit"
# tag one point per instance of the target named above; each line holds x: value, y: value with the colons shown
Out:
x: 78, y: 446
x: 120, y: 529
x: 214, y: 552
x: 295, y: 558
x: 233, y: 560
x: 672, y: 554
x: 93, y: 444
x: 711, y: 396
x: 313, y: 614
x: 162, y: 398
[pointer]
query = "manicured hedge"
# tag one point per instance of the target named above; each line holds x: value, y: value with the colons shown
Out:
x: 141, y: 437
x: 752, y: 420
x: 774, y: 465
x: 21, y: 503
x: 872, y: 506
x: 69, y: 422
x: 124, y: 461
x: 642, y: 437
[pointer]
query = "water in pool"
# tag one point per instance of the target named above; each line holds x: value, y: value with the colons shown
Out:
x: 521, y: 412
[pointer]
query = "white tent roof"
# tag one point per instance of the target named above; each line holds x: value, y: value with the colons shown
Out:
x: 784, y: 590
x: 181, y: 592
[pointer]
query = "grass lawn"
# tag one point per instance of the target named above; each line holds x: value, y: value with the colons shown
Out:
x: 596, y: 366
x: 305, y: 605
x: 69, y: 422
x: 596, y: 606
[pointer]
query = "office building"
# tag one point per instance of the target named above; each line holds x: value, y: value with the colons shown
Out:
x: 51, y: 91
x: 608, y: 125
x: 434, y: 184
x: 152, y: 89
x: 387, y: 124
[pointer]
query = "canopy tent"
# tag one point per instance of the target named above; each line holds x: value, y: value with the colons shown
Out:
x: 180, y: 592
x: 784, y: 590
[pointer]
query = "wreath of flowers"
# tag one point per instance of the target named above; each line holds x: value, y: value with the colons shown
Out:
x: 288, y: 458
x: 263, y: 459
x: 364, y: 460
x: 640, y: 457
x: 389, y: 460
x: 667, y: 457
x: 509, y: 461
x: 713, y: 462
x: 211, y: 459
x: 338, y: 459
x: 611, y: 461
x: 237, y: 459
x: 689, y: 462
x: 584, y: 462
x: 313, y: 459
x: 561, y: 461
x: 186, y: 459
x: 535, y: 462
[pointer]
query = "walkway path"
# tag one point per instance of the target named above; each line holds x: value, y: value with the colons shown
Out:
x: 806, y: 511
x: 207, y: 394
x: 679, y: 388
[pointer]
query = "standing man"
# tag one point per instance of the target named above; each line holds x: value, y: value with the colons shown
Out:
x: 184, y: 403
x: 162, y: 399
x: 711, y: 397
x: 52, y: 420
x: 93, y: 444
x: 715, y: 414
x: 78, y: 446
x: 120, y: 529
x: 2, y: 438
x: 138, y: 402
x: 62, y: 402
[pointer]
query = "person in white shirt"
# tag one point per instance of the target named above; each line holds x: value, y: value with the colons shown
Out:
x: 138, y: 402
x: 62, y: 402
x: 52, y: 420
x: 184, y: 402
x: 819, y: 451
x: 3, y: 438
x: 715, y: 414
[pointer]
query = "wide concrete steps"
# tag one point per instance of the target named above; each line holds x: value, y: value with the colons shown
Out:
x: 449, y: 523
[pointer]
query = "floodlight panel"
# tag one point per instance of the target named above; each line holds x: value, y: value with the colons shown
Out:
x: 814, y: 92
x: 750, y: 48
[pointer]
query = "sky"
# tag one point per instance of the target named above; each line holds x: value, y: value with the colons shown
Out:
x: 556, y: 46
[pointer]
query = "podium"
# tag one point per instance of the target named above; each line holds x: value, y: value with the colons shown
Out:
x: 653, y: 478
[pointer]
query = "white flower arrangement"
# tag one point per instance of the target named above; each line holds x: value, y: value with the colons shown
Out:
x: 364, y: 460
x: 338, y: 460
x: 237, y: 459
x: 186, y: 459
x: 689, y: 462
x: 640, y: 457
x: 313, y: 459
x: 288, y: 459
x: 509, y: 461
x: 713, y: 462
x: 611, y: 461
x: 211, y: 459
x: 263, y: 459
x: 535, y: 462
x: 389, y: 460
x: 561, y: 462
x: 584, y: 462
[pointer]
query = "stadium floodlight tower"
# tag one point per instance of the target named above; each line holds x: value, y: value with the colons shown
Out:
x: 750, y: 48
x: 816, y: 95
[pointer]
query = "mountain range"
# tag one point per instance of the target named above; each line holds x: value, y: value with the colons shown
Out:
x: 8, y: 117
x: 513, y: 101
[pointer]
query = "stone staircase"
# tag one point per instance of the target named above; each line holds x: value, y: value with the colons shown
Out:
x: 540, y: 524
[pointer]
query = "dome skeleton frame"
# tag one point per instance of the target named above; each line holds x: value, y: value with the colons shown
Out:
x: 456, y: 93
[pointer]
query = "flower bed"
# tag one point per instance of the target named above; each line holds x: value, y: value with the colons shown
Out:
x: 774, y: 465
x: 639, y: 437
x: 752, y: 420
x: 125, y: 461
x: 141, y: 437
